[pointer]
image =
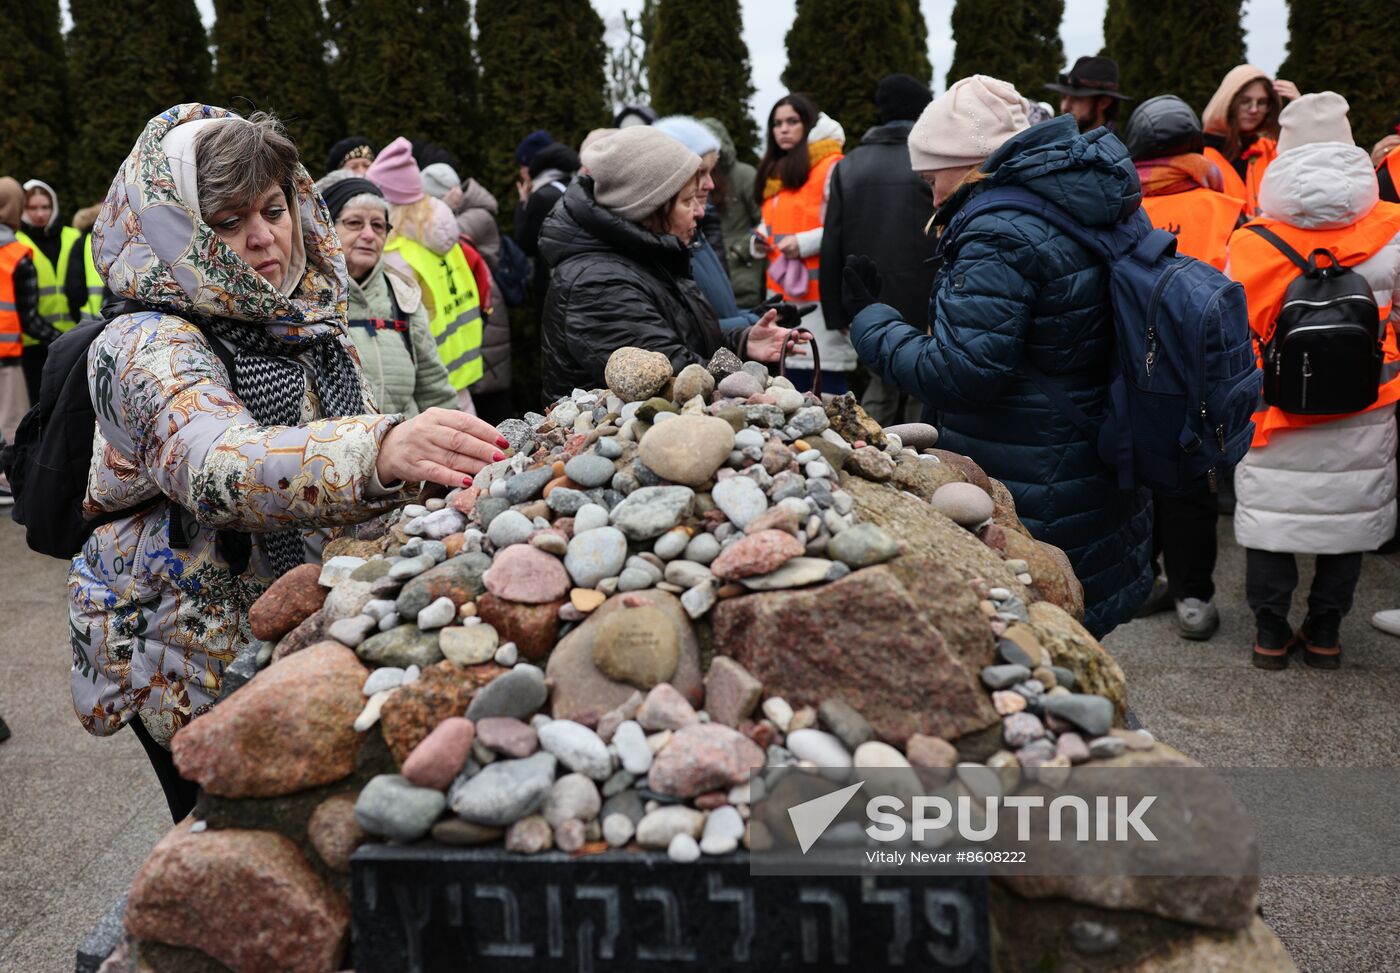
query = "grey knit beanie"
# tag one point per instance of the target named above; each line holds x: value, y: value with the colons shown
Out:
x: 438, y: 179
x: 637, y: 170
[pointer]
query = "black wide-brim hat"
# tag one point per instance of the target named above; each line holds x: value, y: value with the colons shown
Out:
x: 1091, y: 77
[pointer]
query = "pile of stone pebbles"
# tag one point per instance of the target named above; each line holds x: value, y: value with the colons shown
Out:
x: 646, y: 503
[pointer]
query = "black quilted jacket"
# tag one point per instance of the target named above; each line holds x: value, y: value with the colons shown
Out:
x: 616, y: 284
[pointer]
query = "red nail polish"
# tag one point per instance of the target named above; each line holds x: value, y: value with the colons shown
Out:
x: 502, y: 442
x: 497, y: 456
x: 466, y: 481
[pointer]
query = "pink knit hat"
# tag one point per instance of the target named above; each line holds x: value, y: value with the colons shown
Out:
x: 396, y: 173
x: 966, y: 124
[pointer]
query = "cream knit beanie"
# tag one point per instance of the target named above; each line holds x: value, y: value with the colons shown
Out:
x: 637, y: 170
x: 966, y: 124
x: 1320, y: 117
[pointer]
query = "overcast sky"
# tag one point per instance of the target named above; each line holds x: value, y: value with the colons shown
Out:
x: 766, y: 24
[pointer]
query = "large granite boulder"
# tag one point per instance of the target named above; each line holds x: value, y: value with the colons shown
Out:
x: 902, y: 643
x: 287, y: 603
x: 289, y: 728
x: 1217, y: 901
x: 581, y: 691
x: 247, y: 898
x: 1071, y: 646
x: 1052, y: 576
x: 1057, y: 934
x: 927, y: 533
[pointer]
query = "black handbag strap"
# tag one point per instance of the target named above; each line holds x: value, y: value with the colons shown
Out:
x: 1281, y: 245
x: 791, y: 340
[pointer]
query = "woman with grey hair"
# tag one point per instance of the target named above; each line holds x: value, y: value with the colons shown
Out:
x: 234, y: 435
x: 387, y: 319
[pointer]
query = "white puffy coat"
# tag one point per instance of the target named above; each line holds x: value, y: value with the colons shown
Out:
x: 1328, y: 488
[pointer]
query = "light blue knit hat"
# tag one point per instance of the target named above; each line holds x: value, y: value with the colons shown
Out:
x: 689, y: 132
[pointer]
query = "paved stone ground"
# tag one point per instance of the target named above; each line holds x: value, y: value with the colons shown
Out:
x: 78, y: 814
x: 1208, y: 701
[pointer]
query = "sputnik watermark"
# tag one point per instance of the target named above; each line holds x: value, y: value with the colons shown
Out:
x: 1111, y: 818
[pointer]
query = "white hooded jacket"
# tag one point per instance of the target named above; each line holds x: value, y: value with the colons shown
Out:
x: 1328, y: 488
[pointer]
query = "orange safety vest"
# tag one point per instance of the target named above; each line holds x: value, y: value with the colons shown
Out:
x: 1390, y: 165
x: 1202, y: 220
x: 796, y: 211
x: 1266, y: 274
x: 10, y: 334
x: 1259, y: 155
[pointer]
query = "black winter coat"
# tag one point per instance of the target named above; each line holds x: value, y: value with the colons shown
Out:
x: 529, y: 219
x: 879, y: 207
x: 616, y: 284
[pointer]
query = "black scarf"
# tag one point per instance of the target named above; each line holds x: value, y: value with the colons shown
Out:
x: 270, y: 378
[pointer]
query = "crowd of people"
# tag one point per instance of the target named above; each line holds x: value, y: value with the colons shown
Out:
x: 283, y: 359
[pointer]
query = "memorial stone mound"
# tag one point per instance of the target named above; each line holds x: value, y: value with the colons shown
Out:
x: 688, y: 578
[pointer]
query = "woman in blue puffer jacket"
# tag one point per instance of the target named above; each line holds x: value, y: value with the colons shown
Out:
x: 1016, y: 290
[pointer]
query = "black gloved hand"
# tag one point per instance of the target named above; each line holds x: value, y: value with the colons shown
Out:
x: 787, y: 313
x: 860, y: 284
x: 791, y: 315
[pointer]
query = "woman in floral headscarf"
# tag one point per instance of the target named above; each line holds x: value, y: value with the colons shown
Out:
x: 222, y: 478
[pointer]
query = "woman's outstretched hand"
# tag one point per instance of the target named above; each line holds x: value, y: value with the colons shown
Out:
x: 766, y: 339
x: 440, y: 446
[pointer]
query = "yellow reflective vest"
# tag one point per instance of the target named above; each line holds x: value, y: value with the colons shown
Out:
x: 92, y: 307
x: 53, y: 305
x: 456, y: 320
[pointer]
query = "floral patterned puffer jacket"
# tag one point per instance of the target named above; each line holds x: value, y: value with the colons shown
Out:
x: 153, y: 625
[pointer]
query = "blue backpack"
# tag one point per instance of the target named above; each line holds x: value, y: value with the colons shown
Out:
x: 1184, y: 381
x: 512, y: 272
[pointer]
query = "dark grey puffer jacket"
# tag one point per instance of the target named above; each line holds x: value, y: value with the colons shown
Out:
x: 616, y: 284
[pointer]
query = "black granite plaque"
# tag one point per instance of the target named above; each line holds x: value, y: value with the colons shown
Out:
x: 424, y: 909
x: 98, y: 944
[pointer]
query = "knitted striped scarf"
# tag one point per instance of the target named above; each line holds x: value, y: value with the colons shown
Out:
x: 270, y: 378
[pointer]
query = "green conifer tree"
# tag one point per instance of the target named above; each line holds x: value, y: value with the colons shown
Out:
x: 838, y: 51
x: 34, y: 125
x: 1179, y: 47
x: 136, y: 59
x: 272, y: 57
x: 1045, y: 50
x: 698, y: 65
x: 407, y: 68
x: 541, y: 67
x: 919, y: 65
x: 1351, y: 52
x: 1017, y: 41
x: 987, y: 40
x: 1307, y: 21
